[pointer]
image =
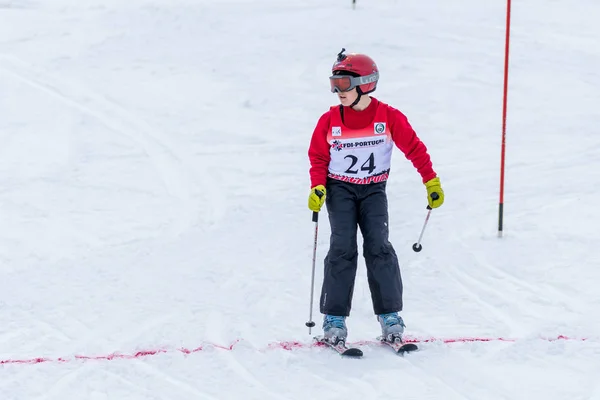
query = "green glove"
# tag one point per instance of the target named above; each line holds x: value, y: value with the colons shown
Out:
x: 316, y: 198
x: 435, y: 194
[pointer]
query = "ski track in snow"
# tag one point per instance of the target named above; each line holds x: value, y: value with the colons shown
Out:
x: 173, y: 168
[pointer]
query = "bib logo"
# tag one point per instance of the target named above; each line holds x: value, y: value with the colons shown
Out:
x: 336, y: 131
x: 337, y: 145
x: 379, y: 128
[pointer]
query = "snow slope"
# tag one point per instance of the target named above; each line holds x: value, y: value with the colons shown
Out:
x: 154, y: 236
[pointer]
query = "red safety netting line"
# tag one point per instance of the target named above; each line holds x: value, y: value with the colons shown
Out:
x: 271, y: 346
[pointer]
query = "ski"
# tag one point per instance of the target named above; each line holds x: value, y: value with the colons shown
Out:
x: 399, y: 346
x: 340, y: 347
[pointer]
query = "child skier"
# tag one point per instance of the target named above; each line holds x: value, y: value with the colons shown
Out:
x: 350, y: 153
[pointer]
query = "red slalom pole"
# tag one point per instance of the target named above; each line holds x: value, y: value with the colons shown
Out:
x: 504, y: 107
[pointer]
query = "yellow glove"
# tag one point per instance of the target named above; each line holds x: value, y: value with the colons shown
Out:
x: 435, y: 194
x: 316, y: 198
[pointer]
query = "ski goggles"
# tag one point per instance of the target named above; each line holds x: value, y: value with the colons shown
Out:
x: 345, y: 83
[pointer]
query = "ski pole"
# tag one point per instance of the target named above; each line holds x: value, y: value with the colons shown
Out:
x: 315, y: 218
x: 417, y: 246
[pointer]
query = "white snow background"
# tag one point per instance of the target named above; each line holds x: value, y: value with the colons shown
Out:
x: 153, y: 186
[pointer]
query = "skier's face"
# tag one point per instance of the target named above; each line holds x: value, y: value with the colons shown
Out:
x: 347, y: 98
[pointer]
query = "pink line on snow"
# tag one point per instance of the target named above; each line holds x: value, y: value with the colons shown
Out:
x: 272, y: 346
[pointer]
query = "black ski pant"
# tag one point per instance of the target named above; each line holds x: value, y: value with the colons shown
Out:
x: 351, y: 206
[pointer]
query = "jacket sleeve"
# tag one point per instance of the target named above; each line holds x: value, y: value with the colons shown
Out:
x: 318, y: 152
x: 409, y: 143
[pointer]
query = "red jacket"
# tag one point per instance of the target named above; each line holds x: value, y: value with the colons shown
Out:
x: 403, y: 136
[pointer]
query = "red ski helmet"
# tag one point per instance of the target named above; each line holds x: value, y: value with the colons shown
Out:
x: 354, y: 70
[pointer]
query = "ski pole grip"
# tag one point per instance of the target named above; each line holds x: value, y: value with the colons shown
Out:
x: 315, y: 216
x: 434, y: 196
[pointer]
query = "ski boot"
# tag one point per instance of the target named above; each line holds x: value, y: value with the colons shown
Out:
x: 392, y: 326
x: 334, y: 329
